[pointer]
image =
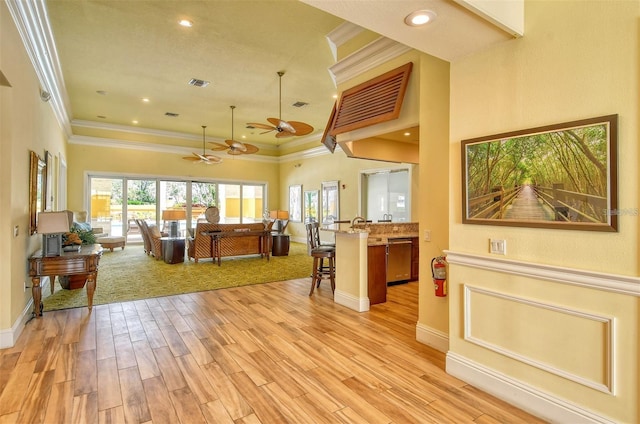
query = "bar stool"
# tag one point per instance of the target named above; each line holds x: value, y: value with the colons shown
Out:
x: 319, y: 253
x: 321, y: 271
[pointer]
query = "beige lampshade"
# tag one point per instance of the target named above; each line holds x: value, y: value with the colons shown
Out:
x: 279, y: 214
x: 174, y: 214
x: 53, y: 222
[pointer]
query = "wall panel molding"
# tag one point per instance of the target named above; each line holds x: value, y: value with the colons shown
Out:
x: 606, y: 384
x: 584, y: 278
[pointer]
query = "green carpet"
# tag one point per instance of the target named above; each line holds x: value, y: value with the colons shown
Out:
x: 129, y: 274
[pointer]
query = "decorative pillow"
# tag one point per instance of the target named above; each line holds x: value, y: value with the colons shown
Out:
x: 154, y: 231
x: 84, y: 226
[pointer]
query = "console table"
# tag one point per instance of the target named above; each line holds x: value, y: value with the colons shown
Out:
x: 68, y: 263
x: 216, y: 236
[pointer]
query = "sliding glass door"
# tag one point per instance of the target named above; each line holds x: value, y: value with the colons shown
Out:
x: 115, y: 203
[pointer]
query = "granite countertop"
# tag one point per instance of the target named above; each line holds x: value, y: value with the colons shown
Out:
x: 378, y: 234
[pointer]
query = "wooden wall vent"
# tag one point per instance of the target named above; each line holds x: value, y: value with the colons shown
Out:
x: 374, y: 101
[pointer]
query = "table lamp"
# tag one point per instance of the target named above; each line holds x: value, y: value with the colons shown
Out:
x: 173, y: 216
x: 52, y: 225
x: 278, y: 216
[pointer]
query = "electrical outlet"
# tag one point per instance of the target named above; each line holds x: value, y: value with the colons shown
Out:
x: 427, y: 235
x: 16, y: 230
x: 25, y: 285
x: 497, y: 246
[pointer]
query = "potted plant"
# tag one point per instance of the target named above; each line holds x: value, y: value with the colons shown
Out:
x: 71, y: 242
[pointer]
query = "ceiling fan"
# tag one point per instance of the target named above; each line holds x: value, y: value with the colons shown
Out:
x: 234, y: 147
x: 283, y: 128
x: 204, y: 157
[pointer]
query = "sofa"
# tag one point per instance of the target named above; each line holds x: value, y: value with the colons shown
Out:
x: 199, y: 246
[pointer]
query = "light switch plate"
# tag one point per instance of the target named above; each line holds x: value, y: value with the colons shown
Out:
x: 498, y: 246
x: 427, y: 235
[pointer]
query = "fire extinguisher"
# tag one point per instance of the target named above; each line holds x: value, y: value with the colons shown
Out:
x: 439, y: 273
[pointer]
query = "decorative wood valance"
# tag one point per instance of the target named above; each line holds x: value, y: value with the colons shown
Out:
x: 372, y: 102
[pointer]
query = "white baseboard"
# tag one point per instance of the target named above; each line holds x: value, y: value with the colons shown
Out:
x: 432, y: 337
x: 9, y: 336
x: 358, y: 304
x: 528, y: 398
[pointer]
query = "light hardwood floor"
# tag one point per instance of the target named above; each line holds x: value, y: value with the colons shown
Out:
x: 259, y: 354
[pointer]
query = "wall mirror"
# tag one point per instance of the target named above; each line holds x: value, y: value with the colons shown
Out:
x: 36, y: 190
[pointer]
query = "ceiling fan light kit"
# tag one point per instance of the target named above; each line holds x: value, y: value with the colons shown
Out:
x: 283, y: 128
x: 204, y: 157
x: 234, y: 147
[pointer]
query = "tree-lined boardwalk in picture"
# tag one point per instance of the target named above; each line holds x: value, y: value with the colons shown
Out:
x: 527, y: 205
x: 554, y: 175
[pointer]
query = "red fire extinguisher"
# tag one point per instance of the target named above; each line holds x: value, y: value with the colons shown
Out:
x: 439, y: 273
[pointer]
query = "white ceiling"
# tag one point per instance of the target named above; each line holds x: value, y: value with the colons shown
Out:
x: 136, y: 49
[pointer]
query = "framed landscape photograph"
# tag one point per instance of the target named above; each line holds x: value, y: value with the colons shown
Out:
x: 559, y: 176
x: 295, y: 203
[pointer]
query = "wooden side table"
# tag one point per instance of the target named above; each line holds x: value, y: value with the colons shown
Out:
x: 172, y: 249
x: 280, y: 245
x: 68, y: 263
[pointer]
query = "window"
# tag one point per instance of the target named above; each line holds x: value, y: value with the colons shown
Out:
x: 113, y: 199
x: 386, y: 195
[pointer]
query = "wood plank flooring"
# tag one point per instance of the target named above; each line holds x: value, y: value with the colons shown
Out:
x: 258, y: 354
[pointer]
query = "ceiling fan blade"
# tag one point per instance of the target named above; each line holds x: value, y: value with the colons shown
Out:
x: 218, y: 146
x: 236, y: 145
x: 262, y: 126
x: 284, y: 134
x: 213, y: 158
x: 191, y: 158
x: 250, y: 148
x: 234, y: 152
x: 300, y: 127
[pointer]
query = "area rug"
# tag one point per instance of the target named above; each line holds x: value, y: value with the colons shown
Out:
x: 130, y: 274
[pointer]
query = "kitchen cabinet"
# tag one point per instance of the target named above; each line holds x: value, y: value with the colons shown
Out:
x: 415, y: 258
x: 377, y: 274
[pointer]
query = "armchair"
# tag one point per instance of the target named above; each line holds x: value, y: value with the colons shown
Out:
x: 80, y: 219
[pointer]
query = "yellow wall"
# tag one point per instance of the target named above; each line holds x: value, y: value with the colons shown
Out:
x: 434, y: 185
x: 26, y: 123
x: 578, y: 59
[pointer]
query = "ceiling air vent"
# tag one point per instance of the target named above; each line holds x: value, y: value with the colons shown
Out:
x: 299, y: 104
x: 374, y: 101
x: 198, y: 82
x: 172, y: 114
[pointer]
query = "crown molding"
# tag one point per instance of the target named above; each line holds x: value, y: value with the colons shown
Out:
x: 368, y: 57
x: 171, y: 149
x: 154, y: 147
x: 340, y: 35
x: 32, y: 22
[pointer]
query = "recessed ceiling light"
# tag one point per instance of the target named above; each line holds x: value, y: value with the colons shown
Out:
x: 186, y: 23
x: 420, y: 17
x: 335, y: 96
x: 407, y: 134
x: 134, y: 122
x: 145, y: 99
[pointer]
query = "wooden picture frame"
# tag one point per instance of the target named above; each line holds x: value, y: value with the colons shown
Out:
x: 48, y: 186
x: 295, y: 203
x: 561, y: 176
x: 37, y: 169
x: 330, y: 201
